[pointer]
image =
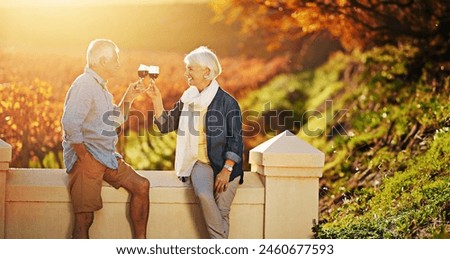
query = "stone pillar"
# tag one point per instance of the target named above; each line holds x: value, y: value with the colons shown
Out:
x: 5, y: 159
x: 290, y: 169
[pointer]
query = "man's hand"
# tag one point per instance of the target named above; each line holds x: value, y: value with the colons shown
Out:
x: 84, y: 156
x: 80, y: 150
x: 134, y: 90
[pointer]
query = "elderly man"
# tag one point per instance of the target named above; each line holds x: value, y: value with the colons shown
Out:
x: 89, y: 122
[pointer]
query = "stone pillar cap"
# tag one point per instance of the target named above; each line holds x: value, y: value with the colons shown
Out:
x: 5, y: 152
x: 286, y: 150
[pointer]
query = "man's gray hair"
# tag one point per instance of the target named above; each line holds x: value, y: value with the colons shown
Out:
x: 204, y: 57
x: 100, y: 48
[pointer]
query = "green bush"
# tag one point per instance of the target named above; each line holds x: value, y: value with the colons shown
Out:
x: 414, y: 203
x: 387, y: 175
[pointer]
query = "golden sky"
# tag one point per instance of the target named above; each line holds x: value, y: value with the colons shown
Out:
x: 90, y: 2
x: 176, y: 25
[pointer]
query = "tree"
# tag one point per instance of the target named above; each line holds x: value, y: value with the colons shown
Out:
x: 30, y: 122
x: 355, y: 23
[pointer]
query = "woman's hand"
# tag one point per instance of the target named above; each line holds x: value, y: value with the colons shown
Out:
x: 222, y: 179
x: 155, y: 95
x: 153, y: 91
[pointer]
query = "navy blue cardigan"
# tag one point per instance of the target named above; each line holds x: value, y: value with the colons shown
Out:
x: 223, y: 131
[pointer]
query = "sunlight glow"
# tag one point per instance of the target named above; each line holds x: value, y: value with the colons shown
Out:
x: 19, y: 3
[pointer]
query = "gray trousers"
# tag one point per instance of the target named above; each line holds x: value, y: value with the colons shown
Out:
x: 215, y: 207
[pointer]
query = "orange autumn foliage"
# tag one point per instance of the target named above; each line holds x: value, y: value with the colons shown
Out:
x: 355, y: 23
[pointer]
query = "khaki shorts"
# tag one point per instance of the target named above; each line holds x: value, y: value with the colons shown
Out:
x: 86, y: 178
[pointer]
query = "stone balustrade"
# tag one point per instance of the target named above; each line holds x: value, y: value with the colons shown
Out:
x: 279, y: 199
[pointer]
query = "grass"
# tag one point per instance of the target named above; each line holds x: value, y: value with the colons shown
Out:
x: 387, y: 171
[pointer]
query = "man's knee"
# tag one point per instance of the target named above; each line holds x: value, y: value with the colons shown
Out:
x: 143, y: 186
x: 84, y: 219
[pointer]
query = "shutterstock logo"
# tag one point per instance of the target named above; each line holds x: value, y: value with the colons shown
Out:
x: 250, y: 122
x: 332, y: 119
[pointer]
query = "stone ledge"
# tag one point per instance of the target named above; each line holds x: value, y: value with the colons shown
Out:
x: 49, y: 185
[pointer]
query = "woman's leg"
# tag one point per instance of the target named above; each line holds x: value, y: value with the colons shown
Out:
x: 202, y: 178
x: 224, y: 201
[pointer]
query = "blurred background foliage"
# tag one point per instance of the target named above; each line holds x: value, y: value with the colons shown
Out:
x: 365, y: 81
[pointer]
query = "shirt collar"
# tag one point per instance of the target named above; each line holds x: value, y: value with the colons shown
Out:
x: 96, y: 77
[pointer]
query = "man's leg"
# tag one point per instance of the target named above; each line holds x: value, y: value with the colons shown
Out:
x: 85, y: 190
x: 139, y: 188
x: 83, y: 222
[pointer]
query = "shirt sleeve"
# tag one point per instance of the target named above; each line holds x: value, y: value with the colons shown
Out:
x: 169, y: 120
x: 234, y: 149
x: 117, y: 116
x: 77, y: 106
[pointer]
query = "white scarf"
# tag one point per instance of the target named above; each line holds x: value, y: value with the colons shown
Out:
x: 187, y: 135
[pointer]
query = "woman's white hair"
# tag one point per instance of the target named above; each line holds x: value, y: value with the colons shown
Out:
x: 204, y: 57
x: 98, y: 49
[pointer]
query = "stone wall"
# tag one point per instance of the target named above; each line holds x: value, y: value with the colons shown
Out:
x: 279, y: 199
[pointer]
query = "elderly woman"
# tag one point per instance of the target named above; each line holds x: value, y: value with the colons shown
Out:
x: 209, y: 141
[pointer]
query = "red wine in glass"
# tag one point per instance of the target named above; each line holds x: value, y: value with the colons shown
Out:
x: 151, y: 71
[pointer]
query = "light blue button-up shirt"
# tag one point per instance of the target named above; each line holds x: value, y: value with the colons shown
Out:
x: 88, y: 110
